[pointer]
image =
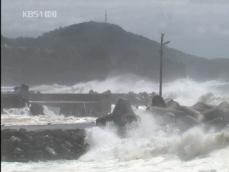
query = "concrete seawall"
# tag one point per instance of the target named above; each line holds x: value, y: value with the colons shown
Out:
x: 95, y: 105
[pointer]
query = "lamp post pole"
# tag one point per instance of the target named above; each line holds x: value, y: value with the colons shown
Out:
x: 161, y: 62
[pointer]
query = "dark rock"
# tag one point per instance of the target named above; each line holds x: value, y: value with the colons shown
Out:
x: 19, y: 154
x: 212, y: 115
x: 202, y: 107
x: 50, y: 151
x: 121, y: 115
x: 218, y: 115
x: 107, y: 92
x: 66, y: 148
x: 145, y: 98
x: 103, y: 120
x: 14, y: 139
x: 36, y: 109
x: 44, y: 145
x: 12, y: 101
x: 22, y: 90
x: 224, y: 106
x: 170, y: 103
x: 158, y: 101
x: 18, y: 150
x: 92, y: 92
x: 17, y: 99
x: 191, y: 113
x: 68, y: 144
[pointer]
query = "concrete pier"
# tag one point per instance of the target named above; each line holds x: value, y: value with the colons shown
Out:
x: 71, y: 104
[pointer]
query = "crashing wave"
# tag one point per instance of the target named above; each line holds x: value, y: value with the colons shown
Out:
x: 150, y: 139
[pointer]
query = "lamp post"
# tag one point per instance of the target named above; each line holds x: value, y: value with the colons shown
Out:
x: 161, y: 61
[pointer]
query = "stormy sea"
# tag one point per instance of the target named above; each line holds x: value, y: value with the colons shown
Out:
x: 149, y: 146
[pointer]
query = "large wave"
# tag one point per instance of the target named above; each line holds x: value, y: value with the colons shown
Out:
x: 186, y: 91
x: 151, y: 139
x: 148, y: 146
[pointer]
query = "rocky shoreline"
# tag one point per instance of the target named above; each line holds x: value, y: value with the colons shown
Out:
x: 23, y: 145
x: 67, y: 141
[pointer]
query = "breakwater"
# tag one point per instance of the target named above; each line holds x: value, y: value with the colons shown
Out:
x: 23, y: 145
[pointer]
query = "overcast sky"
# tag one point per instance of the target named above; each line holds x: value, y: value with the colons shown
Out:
x: 199, y: 27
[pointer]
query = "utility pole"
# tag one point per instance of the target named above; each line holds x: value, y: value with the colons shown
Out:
x: 161, y: 62
x: 105, y: 16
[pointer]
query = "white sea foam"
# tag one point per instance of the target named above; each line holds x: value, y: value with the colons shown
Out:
x: 149, y: 146
x: 150, y: 139
x: 185, y: 91
x: 22, y: 116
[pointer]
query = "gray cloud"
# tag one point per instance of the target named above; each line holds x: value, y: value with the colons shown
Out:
x: 198, y: 27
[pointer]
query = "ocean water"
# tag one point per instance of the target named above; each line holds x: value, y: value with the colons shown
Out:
x: 22, y: 117
x: 186, y: 91
x: 149, y: 146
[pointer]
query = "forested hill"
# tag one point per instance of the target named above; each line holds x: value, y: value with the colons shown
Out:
x: 93, y: 50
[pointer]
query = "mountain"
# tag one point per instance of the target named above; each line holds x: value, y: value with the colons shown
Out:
x: 93, y: 50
